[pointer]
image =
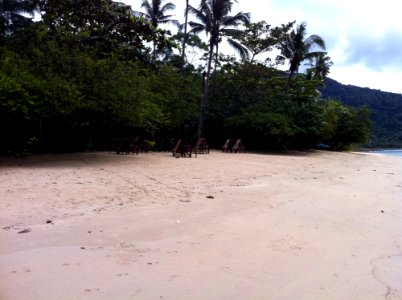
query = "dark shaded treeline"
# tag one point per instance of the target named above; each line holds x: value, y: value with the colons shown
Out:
x: 93, y: 70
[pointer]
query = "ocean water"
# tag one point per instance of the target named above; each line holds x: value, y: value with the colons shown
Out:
x: 393, y: 152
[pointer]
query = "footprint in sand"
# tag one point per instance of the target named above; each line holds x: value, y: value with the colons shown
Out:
x: 173, y: 277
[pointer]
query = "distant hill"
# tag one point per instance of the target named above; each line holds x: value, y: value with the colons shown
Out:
x: 385, y: 107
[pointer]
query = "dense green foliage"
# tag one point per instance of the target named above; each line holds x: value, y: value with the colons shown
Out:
x: 93, y: 70
x: 385, y: 108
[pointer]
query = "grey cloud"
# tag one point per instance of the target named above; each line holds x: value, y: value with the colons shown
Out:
x: 380, y: 53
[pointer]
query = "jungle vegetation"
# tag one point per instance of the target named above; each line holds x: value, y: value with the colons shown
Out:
x: 90, y: 70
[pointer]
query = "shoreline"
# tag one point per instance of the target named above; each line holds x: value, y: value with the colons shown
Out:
x: 317, y: 225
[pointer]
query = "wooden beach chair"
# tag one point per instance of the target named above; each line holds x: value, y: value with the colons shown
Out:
x: 122, y: 146
x: 133, y: 145
x: 186, y: 150
x: 125, y: 145
x: 182, y: 150
x: 226, y: 146
x: 176, y: 149
x: 201, y: 147
x: 238, y: 146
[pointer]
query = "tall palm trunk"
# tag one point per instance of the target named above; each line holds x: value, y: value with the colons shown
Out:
x: 154, y: 51
x: 155, y: 26
x: 183, y: 48
x: 289, y: 82
x: 204, y: 96
x: 216, y: 56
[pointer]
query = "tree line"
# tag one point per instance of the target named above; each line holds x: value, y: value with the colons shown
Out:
x: 385, y: 111
x: 91, y: 70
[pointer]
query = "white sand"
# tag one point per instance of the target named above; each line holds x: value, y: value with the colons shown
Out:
x: 303, y: 226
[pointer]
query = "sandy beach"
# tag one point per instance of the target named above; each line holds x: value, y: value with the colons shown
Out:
x: 316, y: 225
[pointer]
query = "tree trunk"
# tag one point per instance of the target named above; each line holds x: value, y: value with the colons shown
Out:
x: 252, y: 58
x: 204, y: 96
x: 183, y: 48
x: 216, y: 56
x: 288, y: 83
x: 154, y: 51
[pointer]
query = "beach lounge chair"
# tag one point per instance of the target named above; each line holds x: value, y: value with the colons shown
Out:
x: 182, y: 150
x: 201, y: 147
x: 126, y: 145
x: 238, y: 147
x: 226, y: 146
x: 176, y: 149
x: 133, y: 145
x: 186, y: 150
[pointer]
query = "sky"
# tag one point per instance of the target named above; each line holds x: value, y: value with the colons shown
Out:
x: 363, y: 38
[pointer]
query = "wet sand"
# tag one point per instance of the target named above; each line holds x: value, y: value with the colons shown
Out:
x: 314, y: 225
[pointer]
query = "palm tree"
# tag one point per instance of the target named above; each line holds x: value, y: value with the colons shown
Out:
x: 214, y: 19
x: 11, y: 15
x: 297, y: 48
x: 155, y: 12
x: 319, y: 67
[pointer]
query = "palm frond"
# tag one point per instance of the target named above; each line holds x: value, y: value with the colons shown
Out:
x: 167, y: 7
x: 148, y: 8
x: 301, y: 30
x: 232, y: 32
x: 236, y: 20
x: 198, y: 14
x: 315, y: 40
x: 240, y: 49
x: 196, y: 28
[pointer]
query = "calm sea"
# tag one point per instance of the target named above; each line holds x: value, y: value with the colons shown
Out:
x: 394, y: 152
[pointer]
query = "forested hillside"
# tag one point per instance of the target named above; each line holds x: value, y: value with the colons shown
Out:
x: 89, y: 71
x: 385, y: 108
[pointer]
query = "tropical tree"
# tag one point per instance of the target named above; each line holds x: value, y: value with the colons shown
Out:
x: 260, y: 37
x: 101, y: 25
x: 344, y: 125
x: 319, y: 67
x: 12, y: 15
x: 155, y: 12
x: 297, y: 47
x: 214, y: 19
